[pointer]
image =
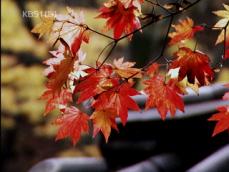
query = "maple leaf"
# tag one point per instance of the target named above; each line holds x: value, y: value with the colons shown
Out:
x: 103, y: 121
x: 60, y: 67
x: 224, y: 14
x: 183, y: 84
x: 82, y: 37
x: 58, y: 78
x: 165, y: 97
x: 95, y: 82
x: 119, y: 100
x: 45, y: 26
x: 72, y: 123
x: 125, y: 69
x: 78, y: 71
x: 122, y: 18
x: 56, y: 100
x: 71, y: 29
x: 184, y: 30
x: 57, y: 57
x: 222, y: 118
x: 152, y: 69
x: 195, y: 65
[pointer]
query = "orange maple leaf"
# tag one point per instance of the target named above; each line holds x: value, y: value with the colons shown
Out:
x: 103, y: 121
x: 58, y: 78
x: 122, y: 17
x: 195, y: 65
x: 165, y: 97
x: 222, y: 118
x: 125, y: 69
x: 60, y: 66
x: 72, y: 123
x: 184, y: 30
x: 119, y: 100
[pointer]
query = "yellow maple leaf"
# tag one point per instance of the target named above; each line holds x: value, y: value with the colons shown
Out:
x: 103, y: 121
x: 224, y: 14
x: 45, y: 26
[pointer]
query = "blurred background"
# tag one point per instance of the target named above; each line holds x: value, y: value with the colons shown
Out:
x: 27, y: 137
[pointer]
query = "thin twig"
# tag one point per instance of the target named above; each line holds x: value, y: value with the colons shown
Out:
x: 108, y: 55
x: 163, y: 47
x: 103, y: 51
x: 159, y: 5
x: 99, y: 33
x: 171, y: 16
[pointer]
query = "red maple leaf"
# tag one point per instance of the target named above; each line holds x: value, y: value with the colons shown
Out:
x: 222, y: 118
x: 165, y: 97
x: 72, y: 123
x: 195, y: 65
x: 103, y: 121
x: 119, y: 100
x: 56, y: 100
x: 95, y: 82
x: 83, y: 36
x: 121, y: 16
x: 152, y: 69
x: 184, y: 30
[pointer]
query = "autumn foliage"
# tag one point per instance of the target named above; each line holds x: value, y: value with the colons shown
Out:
x: 109, y: 87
